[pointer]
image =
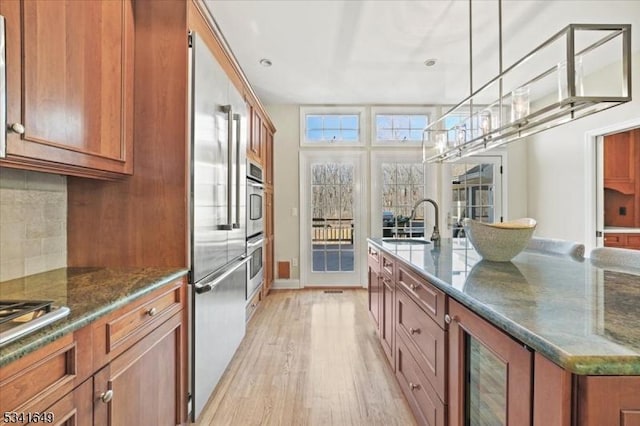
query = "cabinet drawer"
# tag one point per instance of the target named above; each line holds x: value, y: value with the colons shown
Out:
x: 373, y: 256
x: 633, y: 241
x: 387, y: 265
x: 614, y: 240
x: 425, y: 340
x: 425, y: 404
x: 430, y: 298
x: 121, y: 329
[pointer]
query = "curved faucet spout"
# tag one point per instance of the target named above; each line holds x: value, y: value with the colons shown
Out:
x: 435, y: 236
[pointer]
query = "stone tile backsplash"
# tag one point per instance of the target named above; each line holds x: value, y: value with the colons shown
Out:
x: 33, y: 222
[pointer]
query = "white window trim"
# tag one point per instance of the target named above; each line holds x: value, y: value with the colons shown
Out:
x: 360, y: 111
x: 430, y: 111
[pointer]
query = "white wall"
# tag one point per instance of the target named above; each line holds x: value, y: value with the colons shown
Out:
x: 556, y: 169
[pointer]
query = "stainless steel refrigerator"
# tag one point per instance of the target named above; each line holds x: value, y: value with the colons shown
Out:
x: 218, y: 275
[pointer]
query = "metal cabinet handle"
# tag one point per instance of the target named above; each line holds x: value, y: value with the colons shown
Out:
x: 16, y: 128
x: 413, y: 286
x: 447, y: 318
x: 106, y: 396
x: 414, y: 330
x: 152, y: 312
x: 414, y: 386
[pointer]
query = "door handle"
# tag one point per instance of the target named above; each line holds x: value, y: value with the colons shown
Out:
x: 205, y: 288
x: 229, y: 225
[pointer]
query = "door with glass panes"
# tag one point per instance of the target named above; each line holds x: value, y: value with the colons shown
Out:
x: 331, y: 225
x: 476, y: 191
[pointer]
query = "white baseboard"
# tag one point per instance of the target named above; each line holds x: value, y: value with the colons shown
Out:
x: 285, y: 284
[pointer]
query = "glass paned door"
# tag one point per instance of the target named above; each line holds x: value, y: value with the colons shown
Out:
x: 331, y: 228
x: 332, y: 247
x: 476, y: 188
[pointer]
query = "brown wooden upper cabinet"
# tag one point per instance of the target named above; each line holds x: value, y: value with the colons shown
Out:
x: 255, y: 139
x: 620, y: 161
x: 70, y: 86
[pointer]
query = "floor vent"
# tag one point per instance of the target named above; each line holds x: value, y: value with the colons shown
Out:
x: 333, y: 291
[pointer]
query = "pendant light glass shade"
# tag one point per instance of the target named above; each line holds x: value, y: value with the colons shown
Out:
x: 551, y: 85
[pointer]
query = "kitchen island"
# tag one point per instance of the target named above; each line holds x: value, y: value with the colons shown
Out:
x: 573, y: 325
x: 126, y: 329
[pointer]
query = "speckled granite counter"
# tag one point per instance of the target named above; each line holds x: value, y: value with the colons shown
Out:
x: 88, y: 292
x: 582, y: 316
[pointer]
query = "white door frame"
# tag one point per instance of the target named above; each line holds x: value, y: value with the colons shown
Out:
x: 594, y: 178
x: 355, y: 278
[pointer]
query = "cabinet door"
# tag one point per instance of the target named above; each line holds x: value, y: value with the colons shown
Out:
x: 268, y: 158
x: 620, y: 161
x: 255, y: 141
x: 143, y: 386
x: 70, y: 86
x: 489, y: 373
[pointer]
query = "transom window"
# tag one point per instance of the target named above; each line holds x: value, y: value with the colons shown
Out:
x: 332, y: 126
x: 400, y: 127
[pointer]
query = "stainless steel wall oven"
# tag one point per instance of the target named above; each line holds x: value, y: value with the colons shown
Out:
x: 255, y: 271
x: 255, y: 200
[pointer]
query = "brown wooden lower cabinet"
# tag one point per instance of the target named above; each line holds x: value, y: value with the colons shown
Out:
x: 456, y: 368
x: 142, y: 385
x: 387, y: 326
x: 127, y: 368
x: 489, y: 373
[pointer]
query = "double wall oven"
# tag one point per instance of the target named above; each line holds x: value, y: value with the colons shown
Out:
x: 255, y: 230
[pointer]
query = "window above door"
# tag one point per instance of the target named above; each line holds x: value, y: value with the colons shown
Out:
x: 332, y: 126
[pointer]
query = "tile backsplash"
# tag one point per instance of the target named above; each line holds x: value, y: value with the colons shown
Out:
x: 33, y: 222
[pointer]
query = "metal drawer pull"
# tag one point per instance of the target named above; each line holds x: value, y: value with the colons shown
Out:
x: 413, y: 286
x: 414, y: 330
x: 447, y: 319
x: 151, y: 312
x: 106, y: 396
x: 414, y: 386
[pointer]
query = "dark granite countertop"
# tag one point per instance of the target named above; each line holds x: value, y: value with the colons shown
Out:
x: 583, y: 316
x: 90, y: 293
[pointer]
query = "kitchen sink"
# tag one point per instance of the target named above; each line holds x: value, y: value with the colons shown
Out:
x: 407, y: 241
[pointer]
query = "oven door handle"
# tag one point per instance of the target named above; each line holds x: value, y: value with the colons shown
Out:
x: 255, y: 184
x: 252, y: 244
x: 205, y: 288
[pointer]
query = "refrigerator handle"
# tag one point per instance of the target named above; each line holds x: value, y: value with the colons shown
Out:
x: 229, y: 225
x: 236, y: 118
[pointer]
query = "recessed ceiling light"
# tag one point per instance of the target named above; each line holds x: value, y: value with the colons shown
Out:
x: 265, y: 62
x: 430, y: 62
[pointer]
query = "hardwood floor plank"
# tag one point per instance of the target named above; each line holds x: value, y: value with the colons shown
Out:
x: 309, y: 358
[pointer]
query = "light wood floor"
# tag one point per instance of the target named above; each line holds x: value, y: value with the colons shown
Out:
x: 309, y: 358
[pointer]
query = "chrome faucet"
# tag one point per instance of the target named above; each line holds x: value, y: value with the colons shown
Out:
x: 435, y: 236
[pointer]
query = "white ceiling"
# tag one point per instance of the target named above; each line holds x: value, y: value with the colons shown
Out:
x: 373, y: 51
